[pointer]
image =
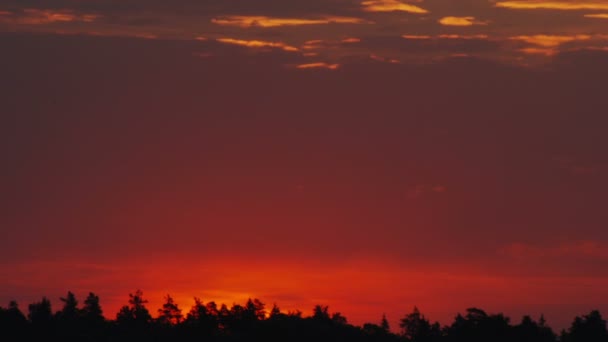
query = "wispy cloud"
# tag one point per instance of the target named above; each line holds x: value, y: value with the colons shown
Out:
x: 416, y: 37
x: 263, y: 21
x: 463, y: 36
x: 258, y: 44
x: 547, y: 45
x: 384, y: 59
x: 318, y: 65
x: 550, y: 40
x: 461, y: 21
x: 597, y: 16
x: 554, y: 5
x: 391, y: 6
x: 33, y: 16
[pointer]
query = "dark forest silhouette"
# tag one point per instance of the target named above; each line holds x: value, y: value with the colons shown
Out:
x: 253, y: 321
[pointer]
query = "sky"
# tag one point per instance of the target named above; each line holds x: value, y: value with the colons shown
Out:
x: 367, y: 155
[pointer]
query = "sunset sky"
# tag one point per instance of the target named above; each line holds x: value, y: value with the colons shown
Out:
x: 369, y: 155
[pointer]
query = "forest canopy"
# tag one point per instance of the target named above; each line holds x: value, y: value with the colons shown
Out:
x: 255, y: 321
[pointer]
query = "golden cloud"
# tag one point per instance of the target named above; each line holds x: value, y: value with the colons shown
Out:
x: 597, y: 16
x: 413, y: 36
x: 325, y: 44
x: 445, y: 36
x: 33, y: 16
x: 539, y: 51
x: 319, y: 65
x: 391, y: 6
x: 554, y: 5
x: 258, y: 44
x: 313, y: 44
x: 263, y: 21
x: 460, y: 21
x: 459, y: 36
x: 549, y: 41
x: 384, y: 59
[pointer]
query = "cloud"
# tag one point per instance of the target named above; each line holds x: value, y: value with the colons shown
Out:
x: 263, y: 21
x: 384, y: 59
x: 539, y: 51
x: 463, y: 36
x: 554, y: 5
x: 318, y: 65
x: 391, y: 6
x: 333, y: 45
x: 33, y: 16
x: 549, y: 41
x: 460, y: 21
x: 415, y: 37
x: 258, y: 44
x: 550, y: 45
x: 597, y: 16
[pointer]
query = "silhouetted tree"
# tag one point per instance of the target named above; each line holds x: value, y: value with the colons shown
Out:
x: 40, y: 313
x: 170, y: 313
x: 203, y: 319
x: 92, y: 312
x: 384, y: 323
x: 337, y: 318
x: 294, y: 313
x: 70, y: 311
x: 372, y: 329
x: 69, y: 327
x: 134, y: 315
x: 530, y: 331
x: 41, y: 318
x: 197, y: 312
x: 275, y: 312
x: 416, y: 328
x: 223, y: 317
x: 320, y: 313
x: 477, y: 325
x: 248, y: 322
x: 588, y: 328
x: 254, y: 310
x: 12, y: 321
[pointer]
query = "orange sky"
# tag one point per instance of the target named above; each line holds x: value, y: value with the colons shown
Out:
x: 366, y: 155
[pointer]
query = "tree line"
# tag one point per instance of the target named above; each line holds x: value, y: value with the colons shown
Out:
x: 253, y: 322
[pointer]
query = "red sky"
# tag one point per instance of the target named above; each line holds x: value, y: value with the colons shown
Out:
x: 440, y: 154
